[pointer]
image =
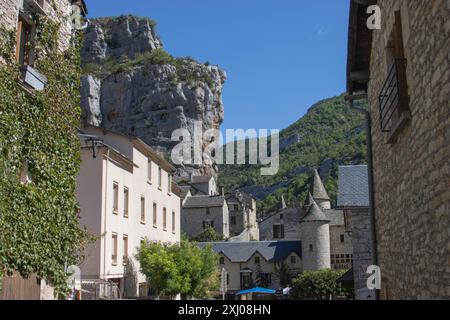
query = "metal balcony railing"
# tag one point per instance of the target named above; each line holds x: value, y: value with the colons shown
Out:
x: 391, y: 98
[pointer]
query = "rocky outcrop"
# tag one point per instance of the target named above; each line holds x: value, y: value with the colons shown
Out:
x: 132, y: 86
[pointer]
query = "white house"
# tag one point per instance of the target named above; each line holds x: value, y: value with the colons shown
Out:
x: 126, y: 196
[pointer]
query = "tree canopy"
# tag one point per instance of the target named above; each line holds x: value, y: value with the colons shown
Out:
x: 181, y: 268
x: 319, y: 285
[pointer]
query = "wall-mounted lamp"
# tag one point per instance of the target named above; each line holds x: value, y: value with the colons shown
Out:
x: 92, y: 141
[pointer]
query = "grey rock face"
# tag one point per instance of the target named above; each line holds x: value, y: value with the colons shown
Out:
x: 90, y: 99
x: 148, y: 100
x: 124, y: 36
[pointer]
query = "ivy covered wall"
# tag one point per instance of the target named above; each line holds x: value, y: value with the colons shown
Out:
x: 39, y: 227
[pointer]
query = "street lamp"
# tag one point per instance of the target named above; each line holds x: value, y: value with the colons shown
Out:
x: 92, y: 141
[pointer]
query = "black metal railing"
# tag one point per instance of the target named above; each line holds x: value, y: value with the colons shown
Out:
x: 391, y: 94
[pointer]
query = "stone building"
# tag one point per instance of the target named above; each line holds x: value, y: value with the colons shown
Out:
x: 242, y: 211
x: 291, y: 223
x: 202, y: 207
x: 19, y: 16
x: 353, y: 198
x: 200, y: 212
x: 403, y: 70
x: 126, y: 195
x: 246, y: 263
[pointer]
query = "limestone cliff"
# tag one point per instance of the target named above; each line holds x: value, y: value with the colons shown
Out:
x: 133, y: 86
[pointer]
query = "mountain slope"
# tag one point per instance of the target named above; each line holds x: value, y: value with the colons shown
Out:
x: 329, y: 135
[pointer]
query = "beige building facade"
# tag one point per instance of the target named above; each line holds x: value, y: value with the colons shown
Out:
x: 126, y: 197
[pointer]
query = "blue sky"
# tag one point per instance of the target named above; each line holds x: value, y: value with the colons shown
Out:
x: 281, y: 56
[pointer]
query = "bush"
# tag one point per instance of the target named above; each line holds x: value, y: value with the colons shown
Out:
x: 317, y: 285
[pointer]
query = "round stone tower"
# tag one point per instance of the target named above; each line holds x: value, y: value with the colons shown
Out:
x: 315, y: 238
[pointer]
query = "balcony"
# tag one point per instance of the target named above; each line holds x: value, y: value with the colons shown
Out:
x: 393, y: 101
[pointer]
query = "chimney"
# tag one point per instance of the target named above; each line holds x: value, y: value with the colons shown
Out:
x: 222, y: 191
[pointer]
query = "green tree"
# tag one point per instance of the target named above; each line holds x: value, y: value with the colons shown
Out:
x: 181, y: 268
x: 318, y: 285
x: 159, y: 266
x: 208, y: 235
x: 198, y: 268
x: 284, y: 274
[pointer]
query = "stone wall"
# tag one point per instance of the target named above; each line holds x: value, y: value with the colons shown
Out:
x: 58, y: 10
x: 412, y: 176
x: 192, y: 220
x: 337, y: 247
x: 362, y: 239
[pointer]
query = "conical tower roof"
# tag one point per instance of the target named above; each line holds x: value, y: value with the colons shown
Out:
x: 317, y: 189
x: 308, y: 201
x: 314, y: 213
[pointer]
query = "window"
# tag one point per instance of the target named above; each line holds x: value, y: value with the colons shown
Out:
x: 278, y: 231
x: 173, y: 221
x: 125, y: 202
x: 257, y: 260
x: 228, y: 278
x: 164, y: 218
x: 208, y: 211
x: 342, y: 238
x: 311, y: 248
x: 236, y: 207
x: 114, y: 249
x: 222, y: 260
x: 24, y: 42
x: 208, y: 224
x: 142, y: 209
x: 155, y: 215
x: 169, y: 186
x: 266, y: 278
x: 125, y: 249
x: 393, y: 97
x: 115, y: 198
x: 149, y: 171
x: 159, y: 177
x: 233, y: 220
x: 293, y: 259
x: 281, y: 216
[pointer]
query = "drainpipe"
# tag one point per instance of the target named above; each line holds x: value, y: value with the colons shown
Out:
x: 371, y: 186
x: 105, y: 213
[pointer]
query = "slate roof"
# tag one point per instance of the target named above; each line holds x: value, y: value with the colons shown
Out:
x: 200, y: 179
x: 353, y: 189
x: 272, y: 251
x: 336, y: 217
x: 204, y: 202
x: 314, y: 213
x: 317, y: 189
